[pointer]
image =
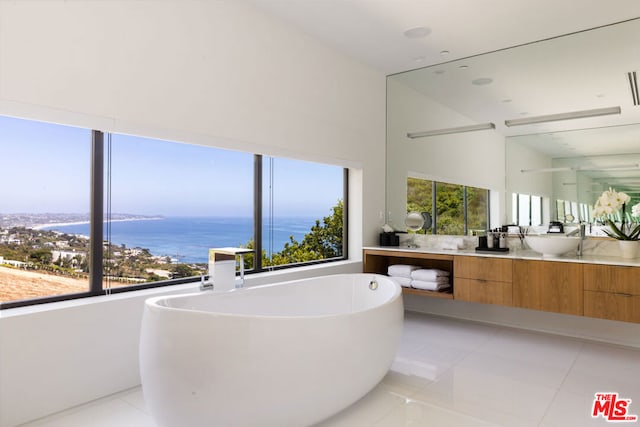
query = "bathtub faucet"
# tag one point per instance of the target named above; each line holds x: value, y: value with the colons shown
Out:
x: 222, y: 268
x: 205, y: 285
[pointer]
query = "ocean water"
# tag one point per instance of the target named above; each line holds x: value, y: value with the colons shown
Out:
x: 188, y: 239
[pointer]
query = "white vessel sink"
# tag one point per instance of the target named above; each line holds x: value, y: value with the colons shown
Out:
x: 549, y: 245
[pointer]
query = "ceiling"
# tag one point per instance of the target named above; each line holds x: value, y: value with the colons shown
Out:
x: 586, y: 70
x: 372, y: 31
x: 582, y: 71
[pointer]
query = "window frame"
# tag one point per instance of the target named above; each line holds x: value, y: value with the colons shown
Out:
x: 465, y: 205
x: 516, y: 209
x: 97, y: 184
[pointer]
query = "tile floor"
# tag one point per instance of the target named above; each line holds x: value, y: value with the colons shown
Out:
x: 451, y: 372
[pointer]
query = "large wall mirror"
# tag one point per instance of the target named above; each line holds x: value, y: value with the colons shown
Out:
x: 536, y: 150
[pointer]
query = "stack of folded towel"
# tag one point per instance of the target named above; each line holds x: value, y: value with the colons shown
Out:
x: 412, y: 276
x: 430, y: 279
x: 401, y: 274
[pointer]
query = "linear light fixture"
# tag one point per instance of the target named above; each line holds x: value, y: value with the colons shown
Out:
x: 633, y: 83
x: 563, y: 116
x: 447, y: 131
x: 609, y: 168
x: 543, y: 170
x: 631, y: 166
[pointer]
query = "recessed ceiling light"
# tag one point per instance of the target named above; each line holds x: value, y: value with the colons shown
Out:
x: 439, y: 71
x: 464, y: 67
x: 444, y: 52
x: 417, y: 32
x: 481, y: 81
x: 506, y: 100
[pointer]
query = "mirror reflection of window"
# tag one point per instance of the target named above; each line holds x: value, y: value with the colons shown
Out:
x: 526, y: 209
x: 459, y: 209
x: 560, y: 209
x: 536, y: 210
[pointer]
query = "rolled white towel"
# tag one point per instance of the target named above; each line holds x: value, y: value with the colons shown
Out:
x: 401, y: 270
x: 428, y: 275
x: 405, y: 282
x: 429, y: 286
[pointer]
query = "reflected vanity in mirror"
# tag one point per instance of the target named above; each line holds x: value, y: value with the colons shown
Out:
x: 578, y: 165
x: 565, y: 125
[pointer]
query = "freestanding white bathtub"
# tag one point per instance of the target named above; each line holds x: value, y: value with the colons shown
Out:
x: 288, y: 354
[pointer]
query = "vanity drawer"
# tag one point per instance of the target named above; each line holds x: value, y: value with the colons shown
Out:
x: 612, y: 306
x: 548, y: 286
x: 612, y: 278
x: 483, y: 291
x: 483, y: 268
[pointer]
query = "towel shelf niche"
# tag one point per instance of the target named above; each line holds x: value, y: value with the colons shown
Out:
x: 377, y: 261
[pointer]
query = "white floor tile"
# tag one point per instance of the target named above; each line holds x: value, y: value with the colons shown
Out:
x: 365, y: 412
x: 536, y: 348
x: 489, y: 396
x: 452, y: 372
x: 135, y: 398
x: 428, y: 360
x: 419, y: 414
x: 110, y: 412
x: 605, y: 368
x: 514, y: 368
x: 423, y: 329
x: 404, y: 384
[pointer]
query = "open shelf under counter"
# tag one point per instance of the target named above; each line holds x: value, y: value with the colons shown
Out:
x: 379, y: 260
x: 432, y: 294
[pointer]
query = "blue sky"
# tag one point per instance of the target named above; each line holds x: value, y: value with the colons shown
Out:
x: 45, y: 168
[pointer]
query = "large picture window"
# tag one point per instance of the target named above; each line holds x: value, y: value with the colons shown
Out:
x: 303, y: 212
x: 167, y: 203
x: 44, y: 180
x: 161, y: 206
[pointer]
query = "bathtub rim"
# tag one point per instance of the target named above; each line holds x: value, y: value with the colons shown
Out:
x: 153, y: 302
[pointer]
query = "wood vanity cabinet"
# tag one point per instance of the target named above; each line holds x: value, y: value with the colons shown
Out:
x: 548, y: 286
x: 582, y: 289
x: 483, y: 279
x: 612, y: 292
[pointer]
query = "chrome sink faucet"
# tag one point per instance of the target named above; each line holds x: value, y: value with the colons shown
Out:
x: 582, y: 237
x: 581, y: 232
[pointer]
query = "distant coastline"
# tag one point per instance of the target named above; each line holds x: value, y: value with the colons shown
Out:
x: 181, y: 239
x: 66, y: 224
x: 40, y: 221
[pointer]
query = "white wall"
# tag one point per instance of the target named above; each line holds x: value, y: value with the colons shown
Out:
x: 475, y: 159
x: 207, y: 72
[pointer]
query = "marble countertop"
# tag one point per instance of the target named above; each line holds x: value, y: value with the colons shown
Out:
x: 517, y: 253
